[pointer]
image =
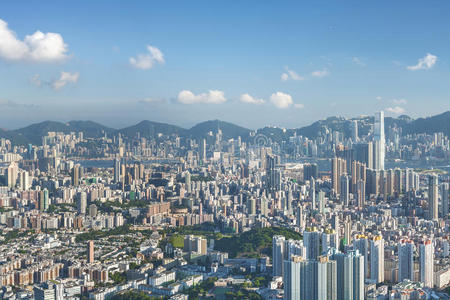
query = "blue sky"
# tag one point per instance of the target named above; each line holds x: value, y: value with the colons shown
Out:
x: 253, y: 63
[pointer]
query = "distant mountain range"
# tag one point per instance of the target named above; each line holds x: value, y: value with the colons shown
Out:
x: 33, y: 133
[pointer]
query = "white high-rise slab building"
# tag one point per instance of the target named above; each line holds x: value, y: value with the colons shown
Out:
x: 426, y: 254
x: 377, y: 259
x: 277, y: 254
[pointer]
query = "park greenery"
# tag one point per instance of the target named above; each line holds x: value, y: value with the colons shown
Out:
x: 253, y: 243
x: 98, y: 234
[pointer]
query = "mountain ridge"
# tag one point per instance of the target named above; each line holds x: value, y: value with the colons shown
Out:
x: 33, y: 133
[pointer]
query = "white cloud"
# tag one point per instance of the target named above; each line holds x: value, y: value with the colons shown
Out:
x: 213, y: 96
x: 320, y: 73
x: 281, y: 100
x: 379, y: 98
x: 38, y: 47
x: 424, y: 63
x: 289, y: 74
x: 299, y: 105
x: 399, y: 101
x: 358, y: 61
x: 147, y: 61
x: 64, y: 79
x: 36, y: 80
x: 246, y: 98
x: 396, y: 110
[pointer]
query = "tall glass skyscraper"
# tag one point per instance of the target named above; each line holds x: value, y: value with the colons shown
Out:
x: 379, y: 141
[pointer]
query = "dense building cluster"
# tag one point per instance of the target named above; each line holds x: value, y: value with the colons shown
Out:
x: 90, y: 218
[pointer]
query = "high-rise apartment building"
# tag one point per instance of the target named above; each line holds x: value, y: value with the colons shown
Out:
x: 350, y: 279
x: 277, y: 254
x: 311, y: 240
x: 426, y: 256
x: 444, y: 199
x: 90, y: 252
x: 433, y: 197
x: 310, y: 279
x: 405, y: 260
x: 377, y: 259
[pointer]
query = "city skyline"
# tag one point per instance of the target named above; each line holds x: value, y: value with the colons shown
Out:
x: 176, y: 63
x: 192, y: 150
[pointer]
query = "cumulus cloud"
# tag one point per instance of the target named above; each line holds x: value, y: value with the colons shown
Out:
x: 38, y: 47
x: 399, y: 101
x: 424, y: 63
x: 379, y: 98
x: 246, y: 98
x: 396, y: 110
x: 64, y: 79
x: 213, y: 96
x: 281, y: 100
x: 320, y: 73
x: 358, y: 61
x: 147, y: 61
x: 289, y: 74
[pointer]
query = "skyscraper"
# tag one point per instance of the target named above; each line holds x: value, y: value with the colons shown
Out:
x: 379, y: 141
x: 330, y: 240
x: 82, y: 202
x: 321, y: 201
x: 272, y: 174
x: 311, y: 240
x: 76, y: 175
x: 277, y: 254
x: 312, y: 193
x: 426, y: 255
x: 361, y: 192
x: 361, y: 244
x: 90, y: 252
x: 433, y: 197
x: 43, y: 200
x: 364, y: 154
x: 405, y: 260
x: 354, y: 127
x: 444, y: 199
x: 187, y: 178
x: 117, y: 170
x: 12, y: 173
x: 350, y: 281
x: 377, y: 259
x: 300, y: 218
x: 338, y: 167
x: 310, y: 279
x: 344, y: 195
